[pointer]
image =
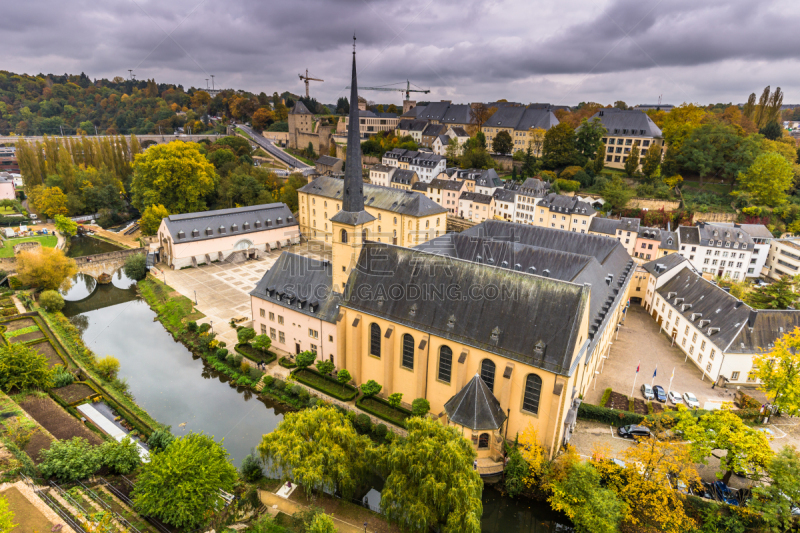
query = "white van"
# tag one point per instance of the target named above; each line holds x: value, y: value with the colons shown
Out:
x: 9, y: 233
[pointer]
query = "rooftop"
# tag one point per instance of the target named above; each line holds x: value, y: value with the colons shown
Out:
x: 192, y: 227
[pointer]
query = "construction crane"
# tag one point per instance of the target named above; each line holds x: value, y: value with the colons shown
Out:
x: 307, y: 79
x: 407, y: 90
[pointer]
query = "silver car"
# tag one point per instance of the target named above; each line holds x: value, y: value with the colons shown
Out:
x: 691, y: 400
x: 647, y: 391
x: 674, y: 397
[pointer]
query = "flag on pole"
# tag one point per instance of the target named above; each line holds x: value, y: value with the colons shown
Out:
x: 673, y: 374
x: 637, y: 368
x: 654, y: 371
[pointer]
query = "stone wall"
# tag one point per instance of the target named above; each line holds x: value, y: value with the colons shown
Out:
x: 652, y: 204
x: 715, y: 217
x: 455, y: 224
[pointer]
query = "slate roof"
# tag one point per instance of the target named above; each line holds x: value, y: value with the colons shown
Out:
x: 377, y: 196
x: 299, y: 109
x: 328, y: 160
x: 420, y: 186
x: 568, y: 256
x: 488, y: 178
x: 522, y: 118
x: 662, y: 265
x: 669, y: 240
x: 476, y: 197
x: 434, y: 130
x: 475, y: 407
x: 403, y: 177
x: 606, y: 226
x: 382, y: 168
x: 759, y: 231
x: 534, y: 187
x: 630, y: 122
x: 449, y: 185
x: 460, y: 132
x: 704, y: 234
x: 650, y: 233
x: 764, y: 327
x: 505, y: 195
x: 412, y: 125
x: 295, y: 278
x: 534, y: 309
x: 559, y: 203
x: 444, y: 139
x: 193, y: 227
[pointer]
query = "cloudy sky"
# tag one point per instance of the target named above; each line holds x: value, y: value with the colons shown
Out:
x: 562, y: 52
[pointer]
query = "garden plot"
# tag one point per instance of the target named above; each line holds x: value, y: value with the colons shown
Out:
x: 74, y: 393
x: 56, y: 420
x: 47, y: 350
x: 14, y: 325
x: 25, y: 334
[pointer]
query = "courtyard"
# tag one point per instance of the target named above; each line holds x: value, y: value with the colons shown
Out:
x: 222, y: 290
x: 640, y: 342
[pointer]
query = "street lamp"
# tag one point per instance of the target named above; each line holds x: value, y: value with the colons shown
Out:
x: 365, y: 527
x: 211, y: 323
x: 596, y: 373
x: 195, y: 297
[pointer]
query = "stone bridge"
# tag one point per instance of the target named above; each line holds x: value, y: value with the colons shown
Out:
x: 107, y: 263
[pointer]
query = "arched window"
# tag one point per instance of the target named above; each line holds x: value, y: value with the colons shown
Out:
x: 487, y: 373
x: 379, y: 216
x: 326, y: 204
x: 344, y: 236
x: 483, y: 441
x: 395, y: 221
x: 427, y: 223
x: 533, y: 389
x: 375, y: 340
x: 445, y: 363
x: 364, y: 236
x: 408, y: 351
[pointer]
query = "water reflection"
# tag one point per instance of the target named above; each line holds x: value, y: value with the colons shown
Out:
x: 504, y: 515
x: 81, y: 287
x: 85, y: 245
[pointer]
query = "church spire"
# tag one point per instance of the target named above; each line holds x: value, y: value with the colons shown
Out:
x: 353, y: 197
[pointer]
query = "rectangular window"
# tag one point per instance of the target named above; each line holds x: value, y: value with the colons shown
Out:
x: 713, y: 353
x: 708, y: 367
x: 280, y: 319
x: 683, y: 342
x: 314, y: 348
x: 669, y: 315
x: 262, y: 313
x: 272, y: 316
x: 272, y: 333
x: 314, y: 334
x: 686, y: 331
x: 281, y: 337
x: 263, y: 329
x: 691, y: 350
x: 734, y: 376
x: 700, y: 358
x: 694, y: 337
x: 703, y: 345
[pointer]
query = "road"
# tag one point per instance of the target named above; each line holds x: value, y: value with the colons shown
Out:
x: 274, y: 150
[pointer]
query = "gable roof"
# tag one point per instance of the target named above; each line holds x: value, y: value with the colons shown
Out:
x: 294, y: 279
x: 566, y: 204
x: 299, y: 109
x: 206, y: 225
x: 704, y: 234
x: 476, y: 197
x: 403, y: 176
x: 522, y: 118
x: 488, y: 178
x: 630, y: 122
x: 662, y: 265
x: 475, y: 407
x: 434, y: 130
x: 328, y: 160
x: 449, y: 185
x: 377, y: 196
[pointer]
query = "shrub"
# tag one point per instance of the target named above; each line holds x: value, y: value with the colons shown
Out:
x: 606, y: 395
x: 136, y: 266
x: 268, y: 381
x: 159, y: 440
x: 120, y: 457
x: 600, y: 182
x: 395, y: 399
x: 380, y: 431
x: 244, y: 368
x: 296, y: 390
x: 569, y: 172
x: 52, y: 301
x: 584, y: 178
x: 278, y: 384
x: 313, y: 401
x: 245, y: 335
x: 568, y: 185
x: 420, y: 407
x: 262, y: 342
x: 231, y: 359
x: 304, y: 395
x: 204, y: 327
x: 251, y: 468
x: 547, y: 175
x: 61, y: 377
x: 363, y: 423
x: 70, y: 460
x: 221, y: 354
x: 21, y: 368
x: 325, y: 367
x: 608, y: 416
x: 371, y: 388
x: 191, y: 326
x: 237, y: 359
x: 255, y: 374
x: 108, y: 366
x: 305, y: 359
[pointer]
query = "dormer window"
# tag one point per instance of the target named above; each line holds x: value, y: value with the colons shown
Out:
x: 246, y: 226
x: 496, y: 334
x: 195, y: 233
x: 258, y: 224
x: 222, y: 229
x: 181, y: 234
x: 234, y: 227
x: 451, y: 321
x: 209, y: 231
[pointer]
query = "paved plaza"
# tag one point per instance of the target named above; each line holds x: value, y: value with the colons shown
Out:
x: 222, y: 290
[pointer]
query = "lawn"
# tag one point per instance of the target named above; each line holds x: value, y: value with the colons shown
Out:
x: 254, y: 354
x: 172, y: 307
x: 384, y: 411
x: 243, y: 133
x: 325, y: 384
x: 27, y: 516
x: 48, y: 241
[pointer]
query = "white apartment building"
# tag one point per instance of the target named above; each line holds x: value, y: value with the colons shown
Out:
x: 762, y: 239
x: 783, y: 258
x: 381, y: 175
x: 718, y: 250
x: 529, y: 194
x: 505, y: 202
x: 427, y: 165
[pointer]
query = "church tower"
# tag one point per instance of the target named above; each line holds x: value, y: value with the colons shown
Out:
x: 352, y: 225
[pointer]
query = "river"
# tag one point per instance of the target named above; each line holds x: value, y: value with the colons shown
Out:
x: 180, y: 390
x: 80, y: 246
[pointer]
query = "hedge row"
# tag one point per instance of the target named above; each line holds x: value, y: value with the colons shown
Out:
x: 285, y: 363
x: 360, y: 403
x: 325, y: 384
x: 245, y: 350
x: 587, y: 411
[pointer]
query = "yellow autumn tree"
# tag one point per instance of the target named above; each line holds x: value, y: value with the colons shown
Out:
x: 779, y: 372
x: 49, y: 201
x: 45, y: 268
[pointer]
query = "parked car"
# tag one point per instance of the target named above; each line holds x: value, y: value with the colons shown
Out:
x: 691, y: 400
x: 632, y: 431
x: 647, y: 391
x: 660, y: 393
x: 675, y: 397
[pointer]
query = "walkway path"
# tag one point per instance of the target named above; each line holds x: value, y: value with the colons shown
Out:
x: 289, y: 507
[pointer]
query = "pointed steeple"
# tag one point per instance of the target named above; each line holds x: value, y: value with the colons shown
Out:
x: 353, y: 197
x: 475, y: 407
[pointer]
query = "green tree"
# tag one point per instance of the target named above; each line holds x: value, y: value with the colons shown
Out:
x: 651, y: 161
x: 180, y: 486
x: 747, y: 450
x: 120, y: 457
x: 136, y: 266
x: 319, y: 448
x: 6, y: 516
x: 371, y: 388
x: 777, y: 499
x: 45, y: 268
x: 343, y: 377
x: 251, y: 468
x: 588, y: 138
x: 321, y: 523
x: 716, y: 150
x: 779, y: 372
x: 632, y: 162
x: 422, y: 491
x: 23, y: 369
x: 772, y: 131
x: 395, y: 399
x: 305, y: 359
x: 262, y: 342
x: 502, y: 143
x: 558, y: 148
x: 515, y: 473
x: 52, y: 301
x: 108, y: 366
x: 151, y: 219
x: 679, y: 124
x: 66, y: 226
x: 420, y: 407
x: 221, y: 157
x: 590, y: 507
x: 777, y: 295
x: 616, y: 193
x: 70, y: 460
x: 768, y: 179
x: 599, y: 159
x: 453, y: 150
x: 175, y: 175
x: 159, y: 440
x: 50, y: 201
x: 245, y: 335
x: 325, y: 367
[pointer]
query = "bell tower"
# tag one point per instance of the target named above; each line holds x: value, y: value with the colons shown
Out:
x: 352, y: 225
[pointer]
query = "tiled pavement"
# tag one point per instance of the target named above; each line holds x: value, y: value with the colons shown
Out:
x: 221, y: 290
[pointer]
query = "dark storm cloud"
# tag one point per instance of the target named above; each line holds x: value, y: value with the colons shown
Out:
x: 466, y: 50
